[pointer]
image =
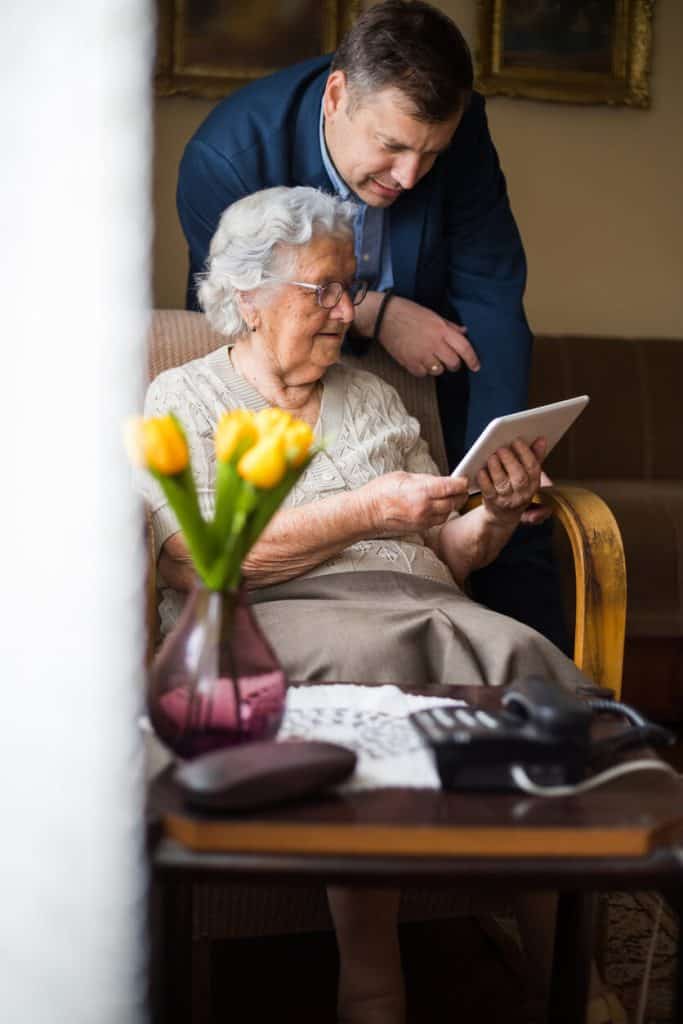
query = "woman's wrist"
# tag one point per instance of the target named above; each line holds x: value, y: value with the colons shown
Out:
x: 364, y: 512
x: 495, y: 530
x: 471, y: 541
x: 500, y: 519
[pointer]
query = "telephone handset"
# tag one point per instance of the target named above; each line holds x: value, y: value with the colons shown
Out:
x: 541, y: 727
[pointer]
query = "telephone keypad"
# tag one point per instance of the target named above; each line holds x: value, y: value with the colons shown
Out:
x: 441, y: 722
x: 476, y: 748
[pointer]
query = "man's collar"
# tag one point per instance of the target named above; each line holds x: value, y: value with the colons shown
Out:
x: 307, y: 166
x: 340, y: 186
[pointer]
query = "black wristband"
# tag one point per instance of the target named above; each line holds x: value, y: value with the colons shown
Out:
x: 380, y: 313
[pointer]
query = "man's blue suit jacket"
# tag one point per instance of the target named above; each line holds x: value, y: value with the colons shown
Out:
x: 455, y: 247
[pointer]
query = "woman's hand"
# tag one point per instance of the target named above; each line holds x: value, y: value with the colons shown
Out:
x: 510, y: 480
x: 399, y: 503
x: 539, y: 511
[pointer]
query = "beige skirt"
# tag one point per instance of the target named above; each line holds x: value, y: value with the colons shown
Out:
x: 389, y: 627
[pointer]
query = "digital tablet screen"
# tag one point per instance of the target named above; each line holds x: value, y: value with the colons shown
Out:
x: 548, y: 421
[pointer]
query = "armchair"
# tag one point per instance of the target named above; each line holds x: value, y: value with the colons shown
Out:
x: 218, y: 911
x: 597, y: 555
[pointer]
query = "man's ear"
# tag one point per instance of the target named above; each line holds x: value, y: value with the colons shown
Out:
x: 335, y: 97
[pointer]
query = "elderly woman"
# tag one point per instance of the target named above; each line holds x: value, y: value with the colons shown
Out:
x: 369, y: 546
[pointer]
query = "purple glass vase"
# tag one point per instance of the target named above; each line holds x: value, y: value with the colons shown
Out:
x: 215, y: 681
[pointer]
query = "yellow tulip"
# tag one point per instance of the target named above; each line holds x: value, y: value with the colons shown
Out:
x: 264, y: 465
x: 235, y: 433
x: 297, y: 439
x: 164, y: 447
x: 267, y: 420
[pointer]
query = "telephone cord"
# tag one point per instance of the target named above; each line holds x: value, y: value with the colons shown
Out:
x: 527, y: 785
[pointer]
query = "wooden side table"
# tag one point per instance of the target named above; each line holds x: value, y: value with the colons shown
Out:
x: 627, y: 834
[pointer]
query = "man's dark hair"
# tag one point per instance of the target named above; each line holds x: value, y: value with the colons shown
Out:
x: 411, y: 46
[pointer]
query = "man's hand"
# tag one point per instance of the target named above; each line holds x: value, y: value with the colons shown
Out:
x: 423, y: 341
x: 400, y: 503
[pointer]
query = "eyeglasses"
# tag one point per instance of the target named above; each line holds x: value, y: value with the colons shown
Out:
x: 328, y: 295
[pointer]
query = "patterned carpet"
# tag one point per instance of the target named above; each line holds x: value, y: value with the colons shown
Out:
x: 631, y: 918
x: 624, y: 948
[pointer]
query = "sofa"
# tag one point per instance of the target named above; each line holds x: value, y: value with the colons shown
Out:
x: 627, y: 447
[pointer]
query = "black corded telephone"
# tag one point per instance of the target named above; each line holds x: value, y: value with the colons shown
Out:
x: 542, y: 728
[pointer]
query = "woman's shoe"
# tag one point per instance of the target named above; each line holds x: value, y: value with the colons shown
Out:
x: 606, y: 1009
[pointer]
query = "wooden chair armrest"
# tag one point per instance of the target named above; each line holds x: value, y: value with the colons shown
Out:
x: 600, y: 570
x: 600, y: 576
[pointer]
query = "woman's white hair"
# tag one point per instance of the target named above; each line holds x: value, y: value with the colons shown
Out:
x: 253, y: 240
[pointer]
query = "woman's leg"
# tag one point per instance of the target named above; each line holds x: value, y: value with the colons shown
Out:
x: 371, y: 989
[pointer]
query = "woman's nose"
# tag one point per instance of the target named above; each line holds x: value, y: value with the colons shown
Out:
x: 344, y: 310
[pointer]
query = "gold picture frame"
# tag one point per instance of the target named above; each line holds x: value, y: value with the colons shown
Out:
x: 208, y: 48
x: 586, y: 51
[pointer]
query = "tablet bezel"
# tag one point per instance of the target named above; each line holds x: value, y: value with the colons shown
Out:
x: 550, y: 421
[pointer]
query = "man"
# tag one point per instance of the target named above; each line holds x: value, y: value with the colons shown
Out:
x: 391, y: 121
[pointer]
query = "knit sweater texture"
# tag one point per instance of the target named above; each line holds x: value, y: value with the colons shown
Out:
x: 363, y: 425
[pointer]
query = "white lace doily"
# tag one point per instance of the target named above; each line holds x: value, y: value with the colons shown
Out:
x: 373, y: 722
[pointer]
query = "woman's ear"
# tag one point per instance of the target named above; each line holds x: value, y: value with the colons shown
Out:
x: 247, y: 308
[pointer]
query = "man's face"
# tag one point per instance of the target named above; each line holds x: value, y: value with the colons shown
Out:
x: 378, y: 147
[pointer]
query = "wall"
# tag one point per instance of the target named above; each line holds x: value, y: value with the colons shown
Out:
x: 596, y: 191
x: 74, y: 292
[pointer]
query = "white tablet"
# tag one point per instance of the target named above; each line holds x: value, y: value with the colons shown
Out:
x: 548, y: 421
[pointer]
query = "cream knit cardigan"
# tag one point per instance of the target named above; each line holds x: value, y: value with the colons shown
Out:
x: 363, y: 424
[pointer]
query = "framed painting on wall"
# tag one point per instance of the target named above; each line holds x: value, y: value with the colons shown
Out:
x: 210, y: 47
x: 574, y: 51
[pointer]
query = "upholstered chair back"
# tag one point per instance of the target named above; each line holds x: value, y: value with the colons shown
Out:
x: 177, y: 336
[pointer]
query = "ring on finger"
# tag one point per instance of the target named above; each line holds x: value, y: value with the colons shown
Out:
x: 504, y: 487
x: 435, y: 368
